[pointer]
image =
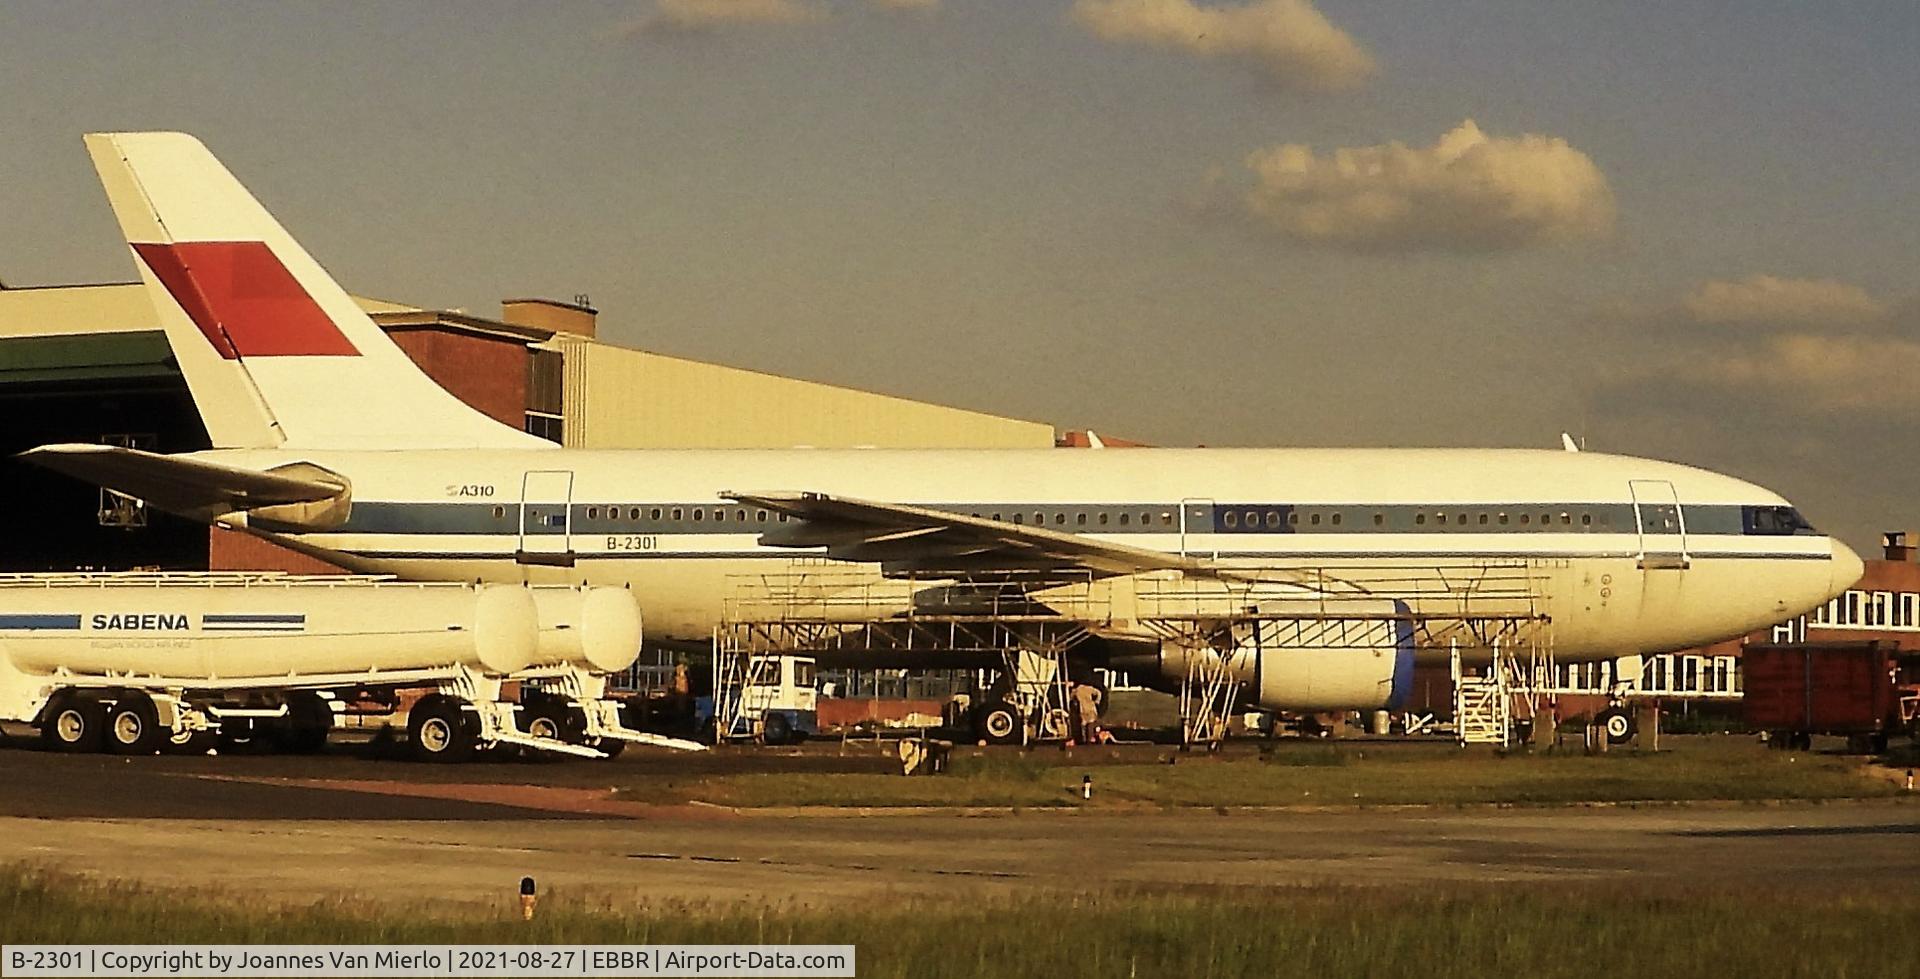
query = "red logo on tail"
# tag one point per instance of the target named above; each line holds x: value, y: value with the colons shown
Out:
x: 244, y: 300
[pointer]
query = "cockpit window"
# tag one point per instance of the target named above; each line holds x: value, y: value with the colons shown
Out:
x: 1774, y: 521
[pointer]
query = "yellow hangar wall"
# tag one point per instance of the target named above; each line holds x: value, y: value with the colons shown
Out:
x: 615, y: 397
x: 611, y: 396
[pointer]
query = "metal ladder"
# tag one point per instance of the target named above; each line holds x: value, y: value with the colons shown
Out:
x: 1482, y: 705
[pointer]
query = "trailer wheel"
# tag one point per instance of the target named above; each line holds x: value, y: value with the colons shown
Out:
x: 74, y: 722
x: 238, y: 735
x: 305, y: 728
x: 553, y: 717
x: 1000, y: 723
x: 438, y: 730
x: 133, y: 726
x: 1617, y: 723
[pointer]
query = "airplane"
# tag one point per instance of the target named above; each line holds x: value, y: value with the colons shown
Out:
x: 330, y: 441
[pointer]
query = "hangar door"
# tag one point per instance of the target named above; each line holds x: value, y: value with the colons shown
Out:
x: 546, y: 518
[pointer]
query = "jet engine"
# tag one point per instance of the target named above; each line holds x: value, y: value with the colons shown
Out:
x: 1357, y: 655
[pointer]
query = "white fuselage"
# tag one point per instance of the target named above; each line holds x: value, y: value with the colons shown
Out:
x: 1616, y: 566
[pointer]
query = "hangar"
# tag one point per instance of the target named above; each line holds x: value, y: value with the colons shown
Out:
x: 88, y: 363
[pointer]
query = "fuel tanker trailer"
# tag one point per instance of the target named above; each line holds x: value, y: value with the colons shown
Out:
x: 135, y: 663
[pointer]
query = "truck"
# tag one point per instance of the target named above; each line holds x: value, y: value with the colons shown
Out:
x: 769, y: 697
x: 1866, y: 691
x: 134, y: 663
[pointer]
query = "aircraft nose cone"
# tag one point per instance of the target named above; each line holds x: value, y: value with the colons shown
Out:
x: 1847, y: 568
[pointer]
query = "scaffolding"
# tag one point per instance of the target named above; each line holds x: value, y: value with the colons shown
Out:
x: 1217, y: 628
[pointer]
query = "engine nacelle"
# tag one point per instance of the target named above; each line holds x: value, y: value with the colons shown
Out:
x: 1356, y: 656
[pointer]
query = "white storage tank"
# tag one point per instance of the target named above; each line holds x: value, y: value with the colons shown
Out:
x: 231, y: 627
x: 596, y: 629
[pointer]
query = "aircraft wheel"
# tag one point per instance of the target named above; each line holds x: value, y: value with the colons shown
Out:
x: 1000, y: 723
x: 438, y: 729
x: 133, y: 726
x: 612, y: 746
x: 1618, y: 724
x: 74, y: 723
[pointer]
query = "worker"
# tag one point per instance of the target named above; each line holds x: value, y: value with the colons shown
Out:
x: 1086, y: 712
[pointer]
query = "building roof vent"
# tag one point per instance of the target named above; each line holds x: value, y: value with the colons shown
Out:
x: 1900, y: 545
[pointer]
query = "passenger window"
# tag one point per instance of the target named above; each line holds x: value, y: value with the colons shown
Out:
x: 1420, y: 519
x: 1166, y: 518
x: 1273, y: 519
x: 1315, y: 520
x: 676, y: 513
x: 1232, y: 519
x: 1524, y: 518
x: 633, y: 513
x: 1080, y: 519
x: 1039, y: 519
x: 740, y: 515
x: 1461, y: 520
x: 1020, y: 518
x: 1293, y: 519
x: 1503, y: 520
x: 1124, y: 516
x: 1483, y: 520
x: 1059, y: 518
x: 719, y: 515
x: 593, y: 513
x: 1103, y: 520
x: 1566, y: 519
x: 1379, y: 520
x: 653, y: 514
x: 1336, y: 520
x: 699, y: 514
x: 499, y: 512
x: 1586, y: 520
x: 784, y: 517
x: 1146, y: 519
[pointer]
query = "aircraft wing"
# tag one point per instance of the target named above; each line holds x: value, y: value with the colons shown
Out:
x: 189, y: 487
x: 909, y: 539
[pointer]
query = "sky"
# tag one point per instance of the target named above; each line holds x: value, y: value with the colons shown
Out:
x: 1682, y: 229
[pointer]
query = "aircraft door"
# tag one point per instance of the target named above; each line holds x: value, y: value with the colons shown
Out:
x: 1196, y: 518
x: 1661, y: 524
x: 546, y: 519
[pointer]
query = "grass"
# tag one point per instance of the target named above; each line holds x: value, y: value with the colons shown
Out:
x: 1316, y: 775
x: 1536, y: 931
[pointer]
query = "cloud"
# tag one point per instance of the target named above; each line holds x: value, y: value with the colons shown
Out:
x: 1804, y: 385
x: 1764, y: 301
x: 1468, y: 192
x: 1291, y: 40
x: 672, y: 17
x: 1820, y: 344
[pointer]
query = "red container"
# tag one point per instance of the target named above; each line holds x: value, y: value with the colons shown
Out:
x: 1795, y: 690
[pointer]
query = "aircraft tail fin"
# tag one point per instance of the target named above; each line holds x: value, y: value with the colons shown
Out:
x: 275, y: 353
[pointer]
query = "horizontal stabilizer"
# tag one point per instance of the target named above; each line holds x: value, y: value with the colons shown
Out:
x: 191, y: 487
